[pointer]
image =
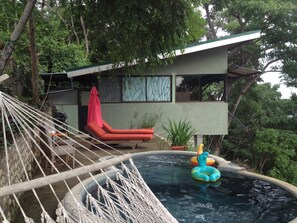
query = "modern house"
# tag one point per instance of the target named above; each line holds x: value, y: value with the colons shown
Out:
x: 177, y: 91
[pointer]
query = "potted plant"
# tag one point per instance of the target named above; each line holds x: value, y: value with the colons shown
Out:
x: 179, y: 133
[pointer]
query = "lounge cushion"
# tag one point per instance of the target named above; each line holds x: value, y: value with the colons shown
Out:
x: 97, y: 131
x: 109, y: 129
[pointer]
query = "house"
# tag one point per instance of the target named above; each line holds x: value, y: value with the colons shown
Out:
x: 176, y: 91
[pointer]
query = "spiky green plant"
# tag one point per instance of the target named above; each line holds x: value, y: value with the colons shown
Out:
x: 179, y: 133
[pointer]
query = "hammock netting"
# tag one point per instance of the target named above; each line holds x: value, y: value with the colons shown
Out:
x: 28, y: 133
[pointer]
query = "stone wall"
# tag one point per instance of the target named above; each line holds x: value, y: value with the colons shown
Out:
x: 17, y: 174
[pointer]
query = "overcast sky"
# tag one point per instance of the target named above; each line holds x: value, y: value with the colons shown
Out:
x: 273, y: 78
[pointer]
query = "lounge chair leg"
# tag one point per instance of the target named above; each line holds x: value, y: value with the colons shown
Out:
x: 133, y: 144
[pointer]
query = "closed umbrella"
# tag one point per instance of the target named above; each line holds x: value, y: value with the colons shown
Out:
x: 94, y: 108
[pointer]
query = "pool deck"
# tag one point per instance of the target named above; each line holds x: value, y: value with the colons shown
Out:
x: 46, y: 196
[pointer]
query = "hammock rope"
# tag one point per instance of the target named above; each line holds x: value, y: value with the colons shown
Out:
x: 124, y: 197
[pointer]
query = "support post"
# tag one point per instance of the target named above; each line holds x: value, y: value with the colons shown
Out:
x: 198, y: 139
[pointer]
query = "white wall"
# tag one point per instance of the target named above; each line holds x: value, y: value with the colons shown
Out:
x: 208, y: 118
x: 204, y: 62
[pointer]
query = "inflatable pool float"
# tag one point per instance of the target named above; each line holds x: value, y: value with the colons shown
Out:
x: 194, y: 160
x: 203, y: 172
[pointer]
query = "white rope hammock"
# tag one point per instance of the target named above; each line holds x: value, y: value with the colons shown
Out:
x: 125, y: 198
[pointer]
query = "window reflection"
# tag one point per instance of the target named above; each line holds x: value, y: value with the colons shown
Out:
x: 134, y: 89
x: 200, y: 88
x: 158, y: 88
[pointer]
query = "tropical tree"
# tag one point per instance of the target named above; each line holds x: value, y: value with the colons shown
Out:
x: 262, y: 135
x: 131, y: 31
x: 277, y: 21
x: 47, y: 41
x: 16, y: 34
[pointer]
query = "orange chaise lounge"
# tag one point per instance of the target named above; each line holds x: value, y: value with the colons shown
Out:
x: 133, y: 139
x: 109, y: 129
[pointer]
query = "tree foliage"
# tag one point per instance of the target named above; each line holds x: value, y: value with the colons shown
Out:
x: 263, y: 133
x: 274, y: 51
x: 125, y: 31
x: 52, y: 45
x: 253, y: 107
x: 276, y: 154
x: 277, y: 21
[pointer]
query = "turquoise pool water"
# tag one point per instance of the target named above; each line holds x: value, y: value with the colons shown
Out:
x: 233, y: 199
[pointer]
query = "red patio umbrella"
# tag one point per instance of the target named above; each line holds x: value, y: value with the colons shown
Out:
x: 94, y: 108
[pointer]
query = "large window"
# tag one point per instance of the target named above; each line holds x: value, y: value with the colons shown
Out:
x: 135, y: 89
x: 200, y: 88
x: 158, y: 88
x: 109, y: 89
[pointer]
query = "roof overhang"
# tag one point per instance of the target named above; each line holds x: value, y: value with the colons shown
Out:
x: 238, y: 72
x: 228, y: 42
x: 57, y: 76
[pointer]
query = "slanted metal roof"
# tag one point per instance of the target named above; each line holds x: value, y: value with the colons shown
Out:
x: 229, y: 42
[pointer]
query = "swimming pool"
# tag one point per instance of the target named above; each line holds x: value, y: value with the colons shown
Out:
x: 234, y: 198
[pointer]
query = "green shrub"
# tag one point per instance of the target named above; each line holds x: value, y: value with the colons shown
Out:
x: 179, y: 133
x: 147, y: 120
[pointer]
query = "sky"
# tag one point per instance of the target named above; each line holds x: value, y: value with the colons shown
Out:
x: 274, y: 78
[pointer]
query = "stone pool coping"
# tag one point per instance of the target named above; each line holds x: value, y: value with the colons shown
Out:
x: 79, y: 192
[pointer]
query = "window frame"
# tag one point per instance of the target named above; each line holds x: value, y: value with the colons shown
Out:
x: 202, y: 88
x: 121, y: 84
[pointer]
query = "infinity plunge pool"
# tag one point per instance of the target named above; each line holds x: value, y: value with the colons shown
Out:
x: 235, y: 198
x: 239, y: 196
